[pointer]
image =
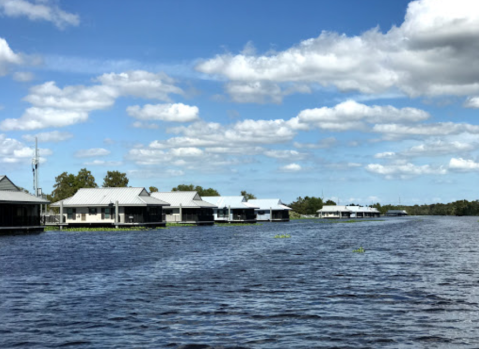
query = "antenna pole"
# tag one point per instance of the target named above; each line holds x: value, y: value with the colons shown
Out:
x: 35, y: 163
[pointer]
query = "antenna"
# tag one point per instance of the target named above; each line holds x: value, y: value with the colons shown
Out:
x: 35, y: 163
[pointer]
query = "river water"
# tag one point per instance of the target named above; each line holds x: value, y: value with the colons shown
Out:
x: 415, y: 286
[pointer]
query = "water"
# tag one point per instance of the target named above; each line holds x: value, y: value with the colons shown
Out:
x: 416, y: 286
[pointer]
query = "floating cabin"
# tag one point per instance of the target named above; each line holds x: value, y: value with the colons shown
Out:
x: 118, y: 207
x: 232, y: 209
x: 396, y: 213
x: 270, y: 210
x: 19, y: 211
x: 338, y: 212
x: 186, y: 207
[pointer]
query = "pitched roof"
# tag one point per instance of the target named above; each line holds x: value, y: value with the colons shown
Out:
x: 7, y: 184
x: 335, y: 208
x: 12, y: 196
x: 266, y: 204
x: 106, y: 196
x: 234, y: 202
x: 187, y: 199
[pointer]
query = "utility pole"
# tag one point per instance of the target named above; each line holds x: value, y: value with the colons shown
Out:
x: 35, y: 164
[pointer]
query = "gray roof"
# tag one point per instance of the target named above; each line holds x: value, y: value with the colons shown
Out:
x: 106, y: 196
x: 187, y: 199
x: 266, y: 204
x: 7, y: 184
x: 234, y: 202
x: 11, y: 196
x: 341, y: 208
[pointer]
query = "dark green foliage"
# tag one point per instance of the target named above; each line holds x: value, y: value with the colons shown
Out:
x: 115, y: 179
x: 307, y: 205
x: 153, y: 189
x: 67, y: 184
x: 457, y: 208
x: 247, y: 195
x: 330, y: 203
x: 199, y: 189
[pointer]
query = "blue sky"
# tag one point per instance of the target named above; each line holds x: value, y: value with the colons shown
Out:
x: 358, y: 101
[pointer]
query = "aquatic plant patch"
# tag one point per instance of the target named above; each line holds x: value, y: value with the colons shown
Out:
x: 282, y: 236
x: 359, y: 250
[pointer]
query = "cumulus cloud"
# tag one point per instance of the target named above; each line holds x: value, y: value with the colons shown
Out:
x: 320, y: 144
x: 103, y: 163
x: 86, y: 153
x: 405, y: 170
x: 351, y: 115
x: 472, y: 102
x: 404, y: 58
x: 58, y: 107
x: 177, y: 112
x: 45, y: 10
x: 285, y: 154
x: 14, y: 151
x: 463, y: 165
x: 395, y: 131
x: 7, y: 57
x: 54, y: 136
x: 291, y: 168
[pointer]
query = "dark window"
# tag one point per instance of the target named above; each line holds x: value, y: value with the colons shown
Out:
x: 92, y: 210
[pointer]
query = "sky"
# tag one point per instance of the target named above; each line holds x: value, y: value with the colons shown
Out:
x: 356, y: 101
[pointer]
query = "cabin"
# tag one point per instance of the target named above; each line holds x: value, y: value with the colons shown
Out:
x: 270, y: 210
x: 338, y: 212
x: 186, y: 207
x: 232, y: 209
x: 118, y: 207
x: 19, y: 211
x: 396, y: 213
x: 334, y: 212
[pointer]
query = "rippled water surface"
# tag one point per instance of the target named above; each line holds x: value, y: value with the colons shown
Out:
x: 416, y: 286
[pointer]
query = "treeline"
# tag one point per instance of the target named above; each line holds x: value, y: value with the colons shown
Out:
x: 456, y: 208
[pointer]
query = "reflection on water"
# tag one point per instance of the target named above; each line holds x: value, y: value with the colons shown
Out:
x: 415, y: 286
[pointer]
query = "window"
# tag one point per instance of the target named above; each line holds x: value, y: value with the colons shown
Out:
x: 71, y: 213
x: 107, y: 213
x: 92, y: 211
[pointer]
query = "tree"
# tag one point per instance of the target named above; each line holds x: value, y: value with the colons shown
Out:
x: 330, y: 203
x: 67, y: 184
x: 308, y: 205
x: 153, y: 189
x: 199, y: 189
x: 115, y: 179
x: 247, y: 195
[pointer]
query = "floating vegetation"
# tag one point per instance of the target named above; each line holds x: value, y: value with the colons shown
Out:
x: 168, y: 225
x: 282, y: 236
x: 359, y: 250
x: 236, y: 224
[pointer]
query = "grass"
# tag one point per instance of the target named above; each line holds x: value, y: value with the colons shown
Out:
x: 236, y: 224
x: 53, y: 228
x: 169, y: 225
x: 359, y: 250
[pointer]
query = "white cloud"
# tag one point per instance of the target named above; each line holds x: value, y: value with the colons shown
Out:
x: 351, y: 115
x: 463, y: 165
x: 54, y: 136
x: 7, y: 57
x: 385, y: 155
x: 86, y: 153
x: 404, y: 171
x: 14, y: 151
x: 395, y: 131
x: 291, y: 168
x: 472, y: 102
x: 320, y: 144
x: 45, y: 10
x: 177, y: 112
x: 59, y: 107
x: 103, y: 163
x: 285, y: 154
x: 428, y: 54
x: 139, y: 124
x: 23, y: 76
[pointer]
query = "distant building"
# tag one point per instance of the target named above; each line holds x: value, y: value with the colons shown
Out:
x: 111, y: 207
x: 396, y: 213
x: 270, y: 210
x: 232, y: 209
x: 338, y: 211
x: 19, y: 211
x: 186, y: 207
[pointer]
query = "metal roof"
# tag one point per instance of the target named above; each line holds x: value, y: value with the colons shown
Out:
x: 234, y: 202
x: 7, y: 184
x: 266, y: 204
x: 335, y: 208
x: 187, y: 199
x: 20, y: 197
x: 107, y: 196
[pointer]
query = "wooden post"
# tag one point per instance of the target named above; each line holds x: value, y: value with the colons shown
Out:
x: 61, y: 214
x: 116, y: 214
x: 181, y: 213
x: 229, y: 213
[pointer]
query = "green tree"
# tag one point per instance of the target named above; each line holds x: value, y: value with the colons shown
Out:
x: 247, y: 195
x: 330, y: 203
x: 199, y: 189
x: 84, y: 179
x: 153, y: 189
x: 67, y: 184
x: 307, y: 205
x: 115, y: 179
